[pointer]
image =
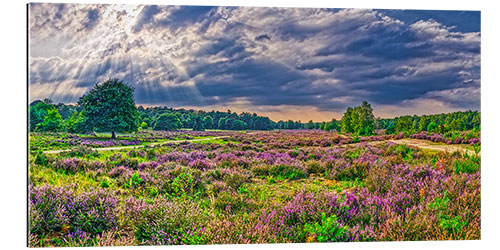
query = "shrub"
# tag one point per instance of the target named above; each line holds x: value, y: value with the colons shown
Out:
x: 291, y: 172
x: 184, y: 182
x: 328, y: 231
x: 163, y: 222
x: 379, y: 178
x: 232, y: 202
x: 315, y: 167
x: 467, y: 164
x: 56, y: 209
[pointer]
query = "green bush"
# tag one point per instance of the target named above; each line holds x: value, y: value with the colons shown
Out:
x: 328, y: 231
x: 233, y: 202
x: 287, y: 172
x: 467, y: 164
x: 315, y: 167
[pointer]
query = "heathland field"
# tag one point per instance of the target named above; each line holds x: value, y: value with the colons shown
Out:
x: 215, y: 187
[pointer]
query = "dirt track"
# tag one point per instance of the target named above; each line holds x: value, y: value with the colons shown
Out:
x: 138, y: 146
x: 429, y: 145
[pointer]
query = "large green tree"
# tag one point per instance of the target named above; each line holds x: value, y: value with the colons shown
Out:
x: 109, y: 107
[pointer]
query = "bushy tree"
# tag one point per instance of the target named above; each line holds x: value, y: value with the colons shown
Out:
x: 359, y: 120
x: 198, y: 124
x: 432, y: 127
x: 222, y: 123
x: 423, y: 123
x: 239, y: 125
x: 367, y: 118
x: 332, y: 125
x: 208, y: 122
x: 404, y: 123
x: 74, y: 123
x: 310, y: 125
x: 37, y: 112
x: 52, y: 121
x: 347, y: 120
x: 168, y: 121
x: 391, y: 128
x: 110, y: 107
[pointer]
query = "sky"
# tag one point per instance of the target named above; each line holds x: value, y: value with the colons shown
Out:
x: 285, y: 63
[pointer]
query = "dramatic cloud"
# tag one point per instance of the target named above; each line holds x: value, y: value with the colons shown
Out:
x: 267, y: 60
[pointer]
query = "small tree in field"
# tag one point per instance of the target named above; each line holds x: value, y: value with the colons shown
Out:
x: 109, y: 107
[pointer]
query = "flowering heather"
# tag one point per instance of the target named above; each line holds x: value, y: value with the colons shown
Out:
x: 59, y: 210
x: 264, y: 187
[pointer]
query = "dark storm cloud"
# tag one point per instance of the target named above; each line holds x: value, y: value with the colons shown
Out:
x: 93, y: 16
x: 203, y: 56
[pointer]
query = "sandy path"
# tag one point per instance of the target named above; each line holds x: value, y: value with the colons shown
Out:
x: 429, y: 145
x: 138, y: 146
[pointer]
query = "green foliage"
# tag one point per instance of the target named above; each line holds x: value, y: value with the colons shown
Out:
x: 134, y: 181
x: 440, y: 203
x: 105, y: 183
x: 75, y: 122
x: 332, y: 125
x: 432, y: 127
x: 287, y: 172
x: 328, y: 231
x: 198, y: 124
x: 41, y: 158
x: 168, y: 121
x: 52, y: 121
x: 404, y: 124
x: 391, y: 128
x: 239, y: 125
x: 109, y: 107
x: 405, y: 152
x: 467, y: 164
x: 355, y: 139
x: 359, y: 120
x: 37, y: 112
x: 208, y: 122
x: 186, y: 183
x: 452, y: 224
x: 460, y: 121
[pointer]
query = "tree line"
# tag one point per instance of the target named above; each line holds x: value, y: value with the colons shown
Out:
x: 109, y: 107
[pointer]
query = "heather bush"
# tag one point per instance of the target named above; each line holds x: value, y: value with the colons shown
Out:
x: 56, y: 209
x: 184, y: 182
x: 81, y: 151
x: 315, y: 167
x: 73, y: 165
x: 164, y: 222
x: 266, y: 187
x: 285, y: 171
